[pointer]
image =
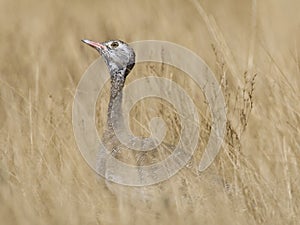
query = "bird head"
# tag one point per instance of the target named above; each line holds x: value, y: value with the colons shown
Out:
x: 118, y: 56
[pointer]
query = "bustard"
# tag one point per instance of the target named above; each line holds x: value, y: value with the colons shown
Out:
x: 120, y: 59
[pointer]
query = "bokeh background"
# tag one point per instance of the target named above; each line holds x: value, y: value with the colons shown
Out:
x: 252, y: 47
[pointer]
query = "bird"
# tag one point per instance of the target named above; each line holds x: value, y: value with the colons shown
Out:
x: 119, y: 58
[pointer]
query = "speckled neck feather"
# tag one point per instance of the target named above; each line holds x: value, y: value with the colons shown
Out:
x: 115, y: 103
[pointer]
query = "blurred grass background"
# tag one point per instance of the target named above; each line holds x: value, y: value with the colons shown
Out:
x: 252, y: 47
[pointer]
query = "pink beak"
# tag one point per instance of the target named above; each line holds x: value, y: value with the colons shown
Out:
x: 95, y: 45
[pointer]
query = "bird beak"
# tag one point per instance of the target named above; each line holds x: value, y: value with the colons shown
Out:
x: 98, y: 46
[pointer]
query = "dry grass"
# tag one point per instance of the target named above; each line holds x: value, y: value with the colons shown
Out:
x: 253, y: 48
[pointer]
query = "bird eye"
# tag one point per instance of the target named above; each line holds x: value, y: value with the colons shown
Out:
x: 114, y: 44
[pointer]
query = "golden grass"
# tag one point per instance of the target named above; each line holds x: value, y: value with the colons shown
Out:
x: 253, y: 48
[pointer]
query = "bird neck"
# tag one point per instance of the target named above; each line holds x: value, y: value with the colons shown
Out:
x: 114, y: 114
